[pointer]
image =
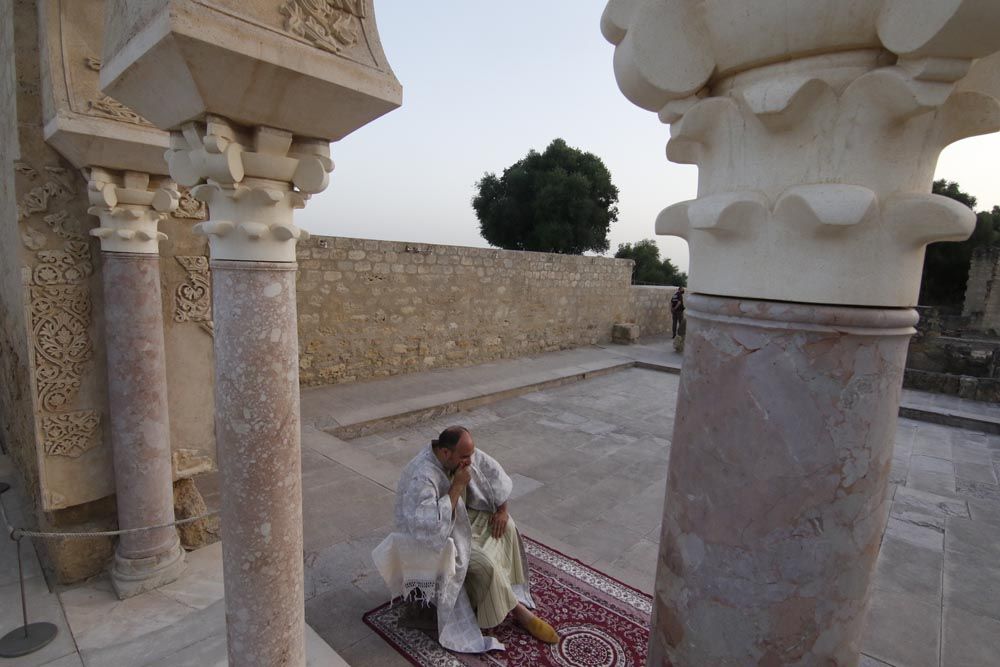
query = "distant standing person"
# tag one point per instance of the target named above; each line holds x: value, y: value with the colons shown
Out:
x: 676, y: 311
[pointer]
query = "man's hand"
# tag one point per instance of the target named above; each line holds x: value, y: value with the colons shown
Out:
x: 458, y: 483
x: 498, y: 522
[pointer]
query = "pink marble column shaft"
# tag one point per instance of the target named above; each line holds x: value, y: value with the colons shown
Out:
x: 776, y: 496
x: 140, y: 425
x: 257, y: 429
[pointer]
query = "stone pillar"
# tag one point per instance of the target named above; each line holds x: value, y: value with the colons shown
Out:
x: 137, y: 382
x: 252, y: 242
x: 816, y: 129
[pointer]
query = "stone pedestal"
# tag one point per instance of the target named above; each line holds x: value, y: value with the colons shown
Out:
x: 816, y: 127
x: 776, y: 496
x: 137, y: 380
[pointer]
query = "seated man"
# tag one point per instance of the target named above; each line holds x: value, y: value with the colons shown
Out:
x: 452, y: 499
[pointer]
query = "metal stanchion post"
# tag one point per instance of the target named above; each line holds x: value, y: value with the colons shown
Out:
x: 31, y: 636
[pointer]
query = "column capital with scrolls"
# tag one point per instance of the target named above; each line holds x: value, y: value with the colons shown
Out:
x: 130, y: 206
x: 252, y: 180
x: 816, y: 128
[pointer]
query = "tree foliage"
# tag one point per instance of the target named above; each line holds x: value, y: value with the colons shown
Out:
x: 946, y: 264
x: 649, y: 268
x: 561, y: 201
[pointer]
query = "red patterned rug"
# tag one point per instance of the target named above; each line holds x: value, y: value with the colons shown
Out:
x: 601, y: 622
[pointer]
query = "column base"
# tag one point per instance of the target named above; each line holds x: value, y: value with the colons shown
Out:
x: 132, y: 576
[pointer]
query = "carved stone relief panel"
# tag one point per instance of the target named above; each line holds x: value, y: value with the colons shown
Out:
x: 331, y: 25
x: 193, y: 297
x: 59, y: 307
x: 71, y: 433
x: 189, y: 207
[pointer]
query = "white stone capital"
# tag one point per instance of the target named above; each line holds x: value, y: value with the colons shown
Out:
x: 816, y: 127
x: 252, y: 180
x: 129, y: 209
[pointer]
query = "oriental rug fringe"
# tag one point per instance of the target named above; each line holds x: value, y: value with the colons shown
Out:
x: 601, y: 622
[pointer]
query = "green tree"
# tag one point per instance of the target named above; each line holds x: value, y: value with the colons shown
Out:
x: 649, y: 268
x: 561, y: 200
x: 946, y: 264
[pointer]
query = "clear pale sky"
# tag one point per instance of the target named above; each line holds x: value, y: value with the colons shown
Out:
x: 484, y: 82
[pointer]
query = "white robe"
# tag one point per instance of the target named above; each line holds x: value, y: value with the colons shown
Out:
x: 424, y: 512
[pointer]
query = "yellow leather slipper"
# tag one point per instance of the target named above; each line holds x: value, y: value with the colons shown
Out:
x: 542, y: 631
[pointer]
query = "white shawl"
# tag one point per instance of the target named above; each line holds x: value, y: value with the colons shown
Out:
x: 424, y: 513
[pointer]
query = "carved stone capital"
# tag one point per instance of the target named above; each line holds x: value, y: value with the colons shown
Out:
x: 252, y: 182
x: 129, y: 209
x: 816, y: 128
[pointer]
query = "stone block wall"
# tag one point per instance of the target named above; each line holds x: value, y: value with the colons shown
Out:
x: 982, y: 292
x: 377, y: 308
x: 650, y: 308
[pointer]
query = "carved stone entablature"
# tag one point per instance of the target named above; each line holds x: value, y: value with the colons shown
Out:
x: 816, y: 128
x: 316, y: 68
x: 259, y: 176
x: 71, y: 434
x: 88, y: 127
x: 329, y: 24
x: 193, y: 297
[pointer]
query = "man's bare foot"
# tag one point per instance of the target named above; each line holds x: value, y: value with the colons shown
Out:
x: 535, y: 626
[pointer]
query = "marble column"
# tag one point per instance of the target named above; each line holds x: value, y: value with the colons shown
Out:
x: 252, y: 242
x: 137, y: 382
x: 816, y: 128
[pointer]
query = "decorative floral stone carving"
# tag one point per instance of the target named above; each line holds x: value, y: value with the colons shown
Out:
x: 112, y: 108
x: 71, y: 433
x: 60, y: 323
x: 60, y: 267
x: 193, y: 297
x: 59, y: 299
x: 190, y: 208
x: 329, y: 24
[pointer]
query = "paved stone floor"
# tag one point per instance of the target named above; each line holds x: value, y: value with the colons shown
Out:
x: 589, y: 462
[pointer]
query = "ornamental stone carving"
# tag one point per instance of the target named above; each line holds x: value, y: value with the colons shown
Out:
x: 329, y: 24
x: 816, y: 128
x: 193, y: 297
x: 60, y: 327
x: 255, y: 180
x: 190, y: 208
x: 111, y: 108
x: 71, y: 434
x: 130, y: 210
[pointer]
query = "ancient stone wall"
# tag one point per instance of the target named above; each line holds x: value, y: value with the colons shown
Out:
x: 650, y: 308
x: 982, y: 292
x: 16, y: 420
x: 378, y: 308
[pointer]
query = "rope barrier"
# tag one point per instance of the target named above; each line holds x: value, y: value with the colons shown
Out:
x: 16, y: 533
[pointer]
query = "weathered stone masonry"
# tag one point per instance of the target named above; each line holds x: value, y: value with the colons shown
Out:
x: 378, y: 308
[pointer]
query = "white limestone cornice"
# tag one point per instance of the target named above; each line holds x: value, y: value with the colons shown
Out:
x: 252, y: 182
x: 129, y: 209
x: 816, y: 127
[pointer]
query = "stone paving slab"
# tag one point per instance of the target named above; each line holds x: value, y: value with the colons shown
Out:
x: 592, y: 458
